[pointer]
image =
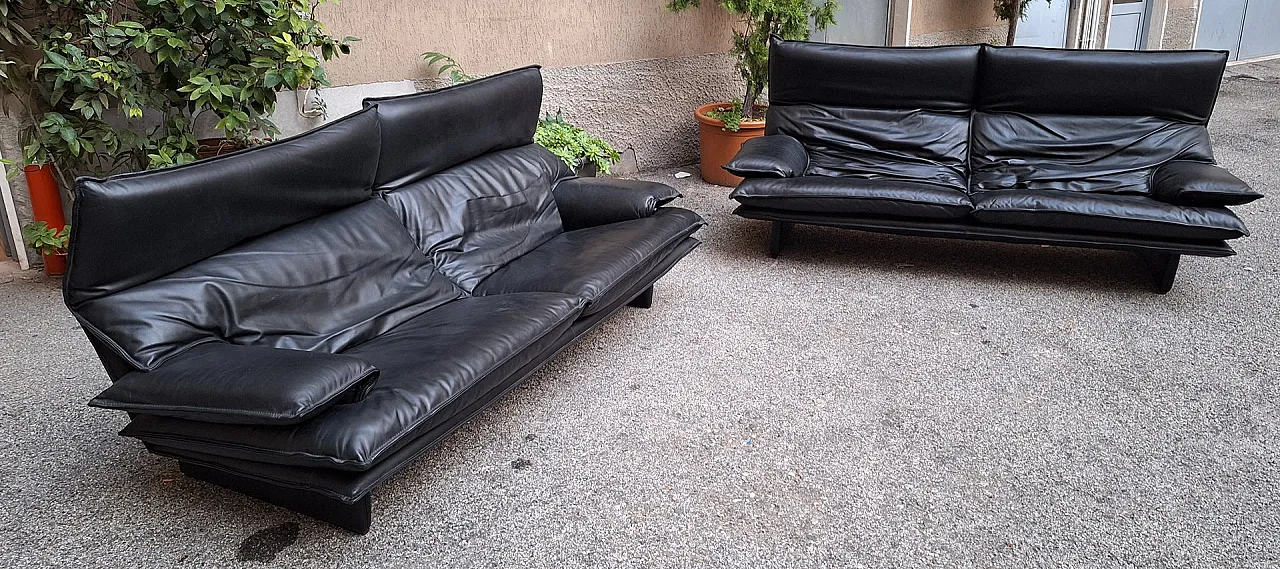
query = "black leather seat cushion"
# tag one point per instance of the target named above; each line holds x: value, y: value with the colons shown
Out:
x: 883, y: 196
x: 429, y: 367
x: 1105, y: 213
x: 475, y: 217
x: 595, y: 263
x: 324, y: 284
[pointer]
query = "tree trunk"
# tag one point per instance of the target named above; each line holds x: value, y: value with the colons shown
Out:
x: 749, y: 102
x: 1015, y: 16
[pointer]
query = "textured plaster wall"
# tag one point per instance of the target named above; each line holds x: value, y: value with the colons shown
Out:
x: 12, y: 151
x: 993, y: 35
x: 490, y: 36
x: 1180, y: 27
x: 929, y: 17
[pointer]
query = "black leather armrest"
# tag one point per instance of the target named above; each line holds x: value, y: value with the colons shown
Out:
x: 250, y: 385
x: 772, y: 156
x: 1199, y: 184
x: 588, y: 202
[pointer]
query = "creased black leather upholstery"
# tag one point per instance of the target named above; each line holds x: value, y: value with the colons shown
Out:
x: 424, y: 133
x: 594, y: 262
x: 1107, y: 213
x: 475, y: 217
x: 253, y: 385
x: 426, y: 365
x: 1069, y: 140
x: 1199, y: 184
x: 133, y: 228
x: 324, y: 284
x: 774, y: 155
x: 588, y: 202
x: 885, y: 196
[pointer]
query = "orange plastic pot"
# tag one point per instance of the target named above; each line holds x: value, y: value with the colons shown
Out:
x: 46, y: 200
x: 718, y: 146
x: 55, y: 265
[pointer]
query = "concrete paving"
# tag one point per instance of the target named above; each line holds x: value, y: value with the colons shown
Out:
x: 861, y: 401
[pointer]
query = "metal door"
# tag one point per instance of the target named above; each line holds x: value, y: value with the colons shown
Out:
x: 860, y: 22
x: 1246, y: 28
x: 1128, y: 25
x: 1045, y: 24
x: 1261, y: 34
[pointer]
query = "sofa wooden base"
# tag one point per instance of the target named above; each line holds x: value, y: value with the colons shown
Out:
x: 1162, y: 256
x: 355, y: 517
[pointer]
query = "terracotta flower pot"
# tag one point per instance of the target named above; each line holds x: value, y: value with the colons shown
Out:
x: 46, y: 201
x: 211, y: 147
x: 718, y: 146
x: 55, y: 264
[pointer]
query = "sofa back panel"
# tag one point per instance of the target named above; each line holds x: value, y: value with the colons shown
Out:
x: 1174, y: 85
x: 425, y: 133
x: 936, y: 78
x: 133, y: 228
x: 324, y: 284
x: 1079, y: 153
x: 474, y: 218
x: 917, y: 145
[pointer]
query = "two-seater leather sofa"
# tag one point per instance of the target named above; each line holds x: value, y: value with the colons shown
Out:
x: 299, y: 321
x: 1103, y: 149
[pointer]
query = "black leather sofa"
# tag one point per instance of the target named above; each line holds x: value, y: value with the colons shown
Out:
x: 299, y: 321
x: 1103, y: 149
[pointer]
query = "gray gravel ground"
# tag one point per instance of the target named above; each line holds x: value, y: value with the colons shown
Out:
x: 862, y: 401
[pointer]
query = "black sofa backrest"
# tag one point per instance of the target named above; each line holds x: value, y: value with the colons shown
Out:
x: 424, y: 133
x: 875, y: 111
x: 1088, y: 120
x: 133, y: 228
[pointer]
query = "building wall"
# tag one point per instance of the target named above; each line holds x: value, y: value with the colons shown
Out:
x: 942, y: 22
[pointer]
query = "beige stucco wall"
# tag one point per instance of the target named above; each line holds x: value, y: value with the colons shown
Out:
x: 933, y: 16
x: 495, y: 35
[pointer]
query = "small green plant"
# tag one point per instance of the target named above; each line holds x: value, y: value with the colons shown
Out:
x: 732, y: 115
x: 569, y: 142
x: 574, y: 145
x: 46, y: 240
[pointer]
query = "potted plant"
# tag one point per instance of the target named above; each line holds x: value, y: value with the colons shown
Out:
x: 585, y: 153
x: 50, y: 243
x: 723, y: 126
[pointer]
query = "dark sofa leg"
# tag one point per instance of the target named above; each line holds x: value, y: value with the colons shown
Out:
x: 1164, y: 269
x: 777, y: 236
x: 643, y: 300
x: 352, y: 517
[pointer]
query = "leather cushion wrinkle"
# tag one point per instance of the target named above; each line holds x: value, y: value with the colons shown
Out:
x: 1106, y: 213
x: 427, y: 364
x: 1079, y: 153
x: 590, y: 263
x: 882, y: 196
x: 324, y: 284
x: 476, y: 217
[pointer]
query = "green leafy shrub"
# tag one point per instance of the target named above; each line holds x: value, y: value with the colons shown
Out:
x: 158, y: 63
x: 761, y: 19
x: 573, y: 144
x: 46, y: 240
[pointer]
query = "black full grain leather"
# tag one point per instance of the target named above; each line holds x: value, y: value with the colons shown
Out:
x: 885, y: 196
x: 898, y: 113
x: 1199, y: 184
x: 1106, y: 213
x: 475, y: 217
x: 133, y: 228
x: 324, y: 284
x: 424, y: 133
x: 588, y: 202
x: 770, y: 156
x: 253, y: 385
x: 427, y: 366
x: 595, y: 262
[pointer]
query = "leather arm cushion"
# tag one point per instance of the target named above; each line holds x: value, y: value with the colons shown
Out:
x: 1199, y: 184
x: 589, y: 202
x: 772, y: 156
x: 248, y: 385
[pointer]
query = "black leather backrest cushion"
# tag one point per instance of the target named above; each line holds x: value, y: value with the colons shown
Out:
x: 935, y: 78
x: 1174, y: 85
x: 325, y: 284
x: 474, y: 218
x: 133, y: 228
x: 425, y: 133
